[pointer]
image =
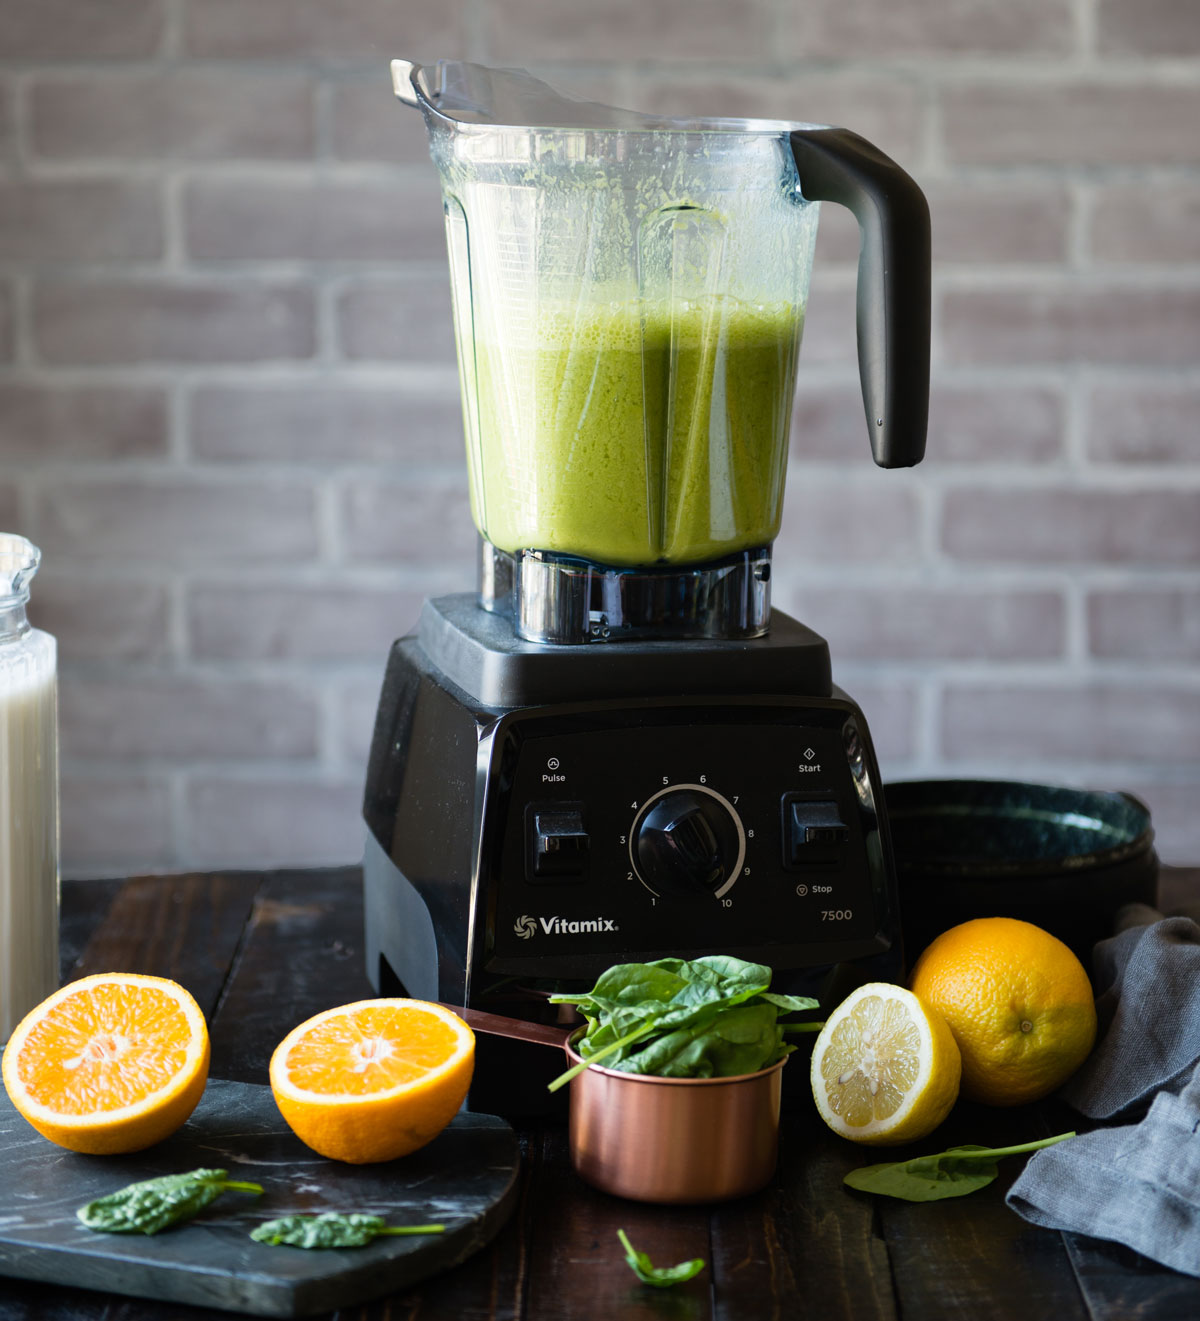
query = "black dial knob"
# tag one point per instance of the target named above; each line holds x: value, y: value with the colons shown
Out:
x: 686, y: 843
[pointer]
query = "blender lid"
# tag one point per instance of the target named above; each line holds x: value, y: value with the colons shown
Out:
x: 466, y: 94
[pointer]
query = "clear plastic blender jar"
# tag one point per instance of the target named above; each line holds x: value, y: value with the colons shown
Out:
x: 629, y: 298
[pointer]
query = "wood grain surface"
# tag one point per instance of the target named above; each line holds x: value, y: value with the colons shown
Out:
x: 804, y: 1247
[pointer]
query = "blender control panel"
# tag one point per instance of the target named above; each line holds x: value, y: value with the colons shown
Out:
x: 635, y: 832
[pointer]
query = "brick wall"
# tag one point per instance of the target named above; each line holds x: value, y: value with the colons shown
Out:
x: 228, y: 404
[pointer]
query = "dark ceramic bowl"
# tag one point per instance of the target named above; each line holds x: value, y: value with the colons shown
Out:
x: 1065, y: 859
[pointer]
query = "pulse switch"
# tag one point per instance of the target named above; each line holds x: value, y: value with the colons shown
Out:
x: 557, y: 842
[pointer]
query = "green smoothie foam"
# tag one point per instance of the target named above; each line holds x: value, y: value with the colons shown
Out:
x: 635, y: 433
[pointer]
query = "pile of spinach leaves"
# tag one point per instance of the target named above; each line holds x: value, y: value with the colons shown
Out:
x: 712, y: 1017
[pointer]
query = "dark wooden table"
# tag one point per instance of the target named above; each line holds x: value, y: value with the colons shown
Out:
x: 262, y: 951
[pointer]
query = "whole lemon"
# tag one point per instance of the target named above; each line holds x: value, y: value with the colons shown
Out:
x: 1018, y: 1002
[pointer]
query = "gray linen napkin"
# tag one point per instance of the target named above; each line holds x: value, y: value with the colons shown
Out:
x: 1137, y: 1183
x: 1147, y: 980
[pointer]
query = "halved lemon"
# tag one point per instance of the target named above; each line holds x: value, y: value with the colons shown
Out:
x: 373, y: 1080
x: 111, y: 1063
x: 885, y: 1067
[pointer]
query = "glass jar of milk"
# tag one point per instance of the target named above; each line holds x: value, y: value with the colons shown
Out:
x: 28, y: 794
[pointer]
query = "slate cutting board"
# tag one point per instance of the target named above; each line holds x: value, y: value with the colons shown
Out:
x: 465, y: 1179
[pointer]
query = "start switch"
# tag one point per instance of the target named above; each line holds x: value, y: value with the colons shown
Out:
x: 810, y: 828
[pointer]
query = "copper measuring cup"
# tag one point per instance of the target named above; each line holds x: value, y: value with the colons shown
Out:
x: 674, y: 1140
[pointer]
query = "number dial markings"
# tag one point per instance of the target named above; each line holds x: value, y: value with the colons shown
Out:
x: 732, y: 872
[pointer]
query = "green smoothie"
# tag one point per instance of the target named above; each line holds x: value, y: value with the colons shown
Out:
x: 635, y: 433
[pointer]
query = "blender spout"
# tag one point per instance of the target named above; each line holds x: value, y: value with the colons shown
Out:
x: 403, y: 74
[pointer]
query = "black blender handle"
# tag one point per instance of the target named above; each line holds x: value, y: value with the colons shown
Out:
x: 836, y: 165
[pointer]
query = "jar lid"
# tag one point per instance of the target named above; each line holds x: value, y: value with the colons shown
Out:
x: 19, y: 560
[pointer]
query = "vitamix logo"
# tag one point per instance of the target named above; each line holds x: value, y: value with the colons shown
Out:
x: 526, y: 926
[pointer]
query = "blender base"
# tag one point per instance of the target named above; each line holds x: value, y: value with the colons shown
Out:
x: 514, y: 807
x: 562, y: 599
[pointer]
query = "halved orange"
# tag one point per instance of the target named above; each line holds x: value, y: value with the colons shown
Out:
x: 373, y: 1080
x: 111, y: 1063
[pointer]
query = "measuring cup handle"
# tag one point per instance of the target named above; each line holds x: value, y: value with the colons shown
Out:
x: 836, y: 165
x: 497, y: 1025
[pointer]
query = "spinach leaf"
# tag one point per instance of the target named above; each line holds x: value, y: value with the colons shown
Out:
x: 661, y: 1277
x: 564, y: 1078
x: 153, y: 1204
x: 632, y: 985
x: 792, y: 1004
x: 614, y: 1032
x: 743, y: 1039
x: 331, y: 1229
x: 734, y: 978
x: 674, y: 987
x: 953, y: 1173
x: 729, y: 969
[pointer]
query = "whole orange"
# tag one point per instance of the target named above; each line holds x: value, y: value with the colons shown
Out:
x: 1018, y: 1002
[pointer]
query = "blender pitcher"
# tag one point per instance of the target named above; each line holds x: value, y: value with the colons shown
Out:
x: 629, y: 296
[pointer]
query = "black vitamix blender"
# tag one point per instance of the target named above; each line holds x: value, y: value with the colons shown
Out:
x: 616, y: 750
